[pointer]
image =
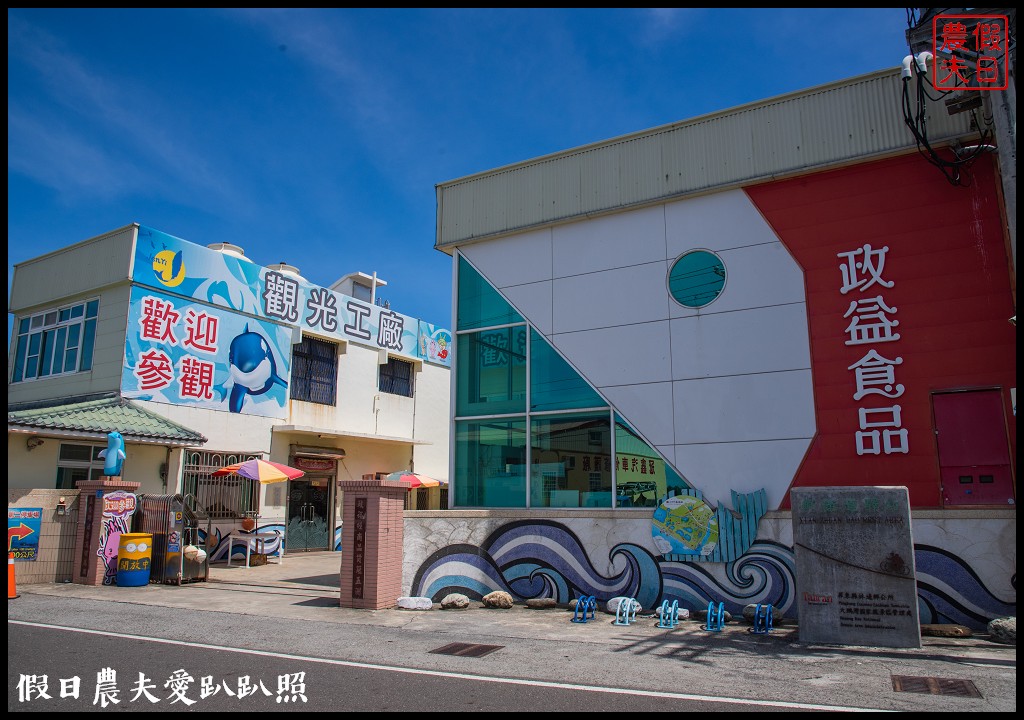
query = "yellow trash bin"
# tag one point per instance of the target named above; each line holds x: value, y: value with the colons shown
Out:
x: 134, y: 556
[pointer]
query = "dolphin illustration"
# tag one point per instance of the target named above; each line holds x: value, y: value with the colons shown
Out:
x: 252, y: 366
x: 114, y: 455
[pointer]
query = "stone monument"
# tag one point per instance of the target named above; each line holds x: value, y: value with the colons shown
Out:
x: 855, y: 577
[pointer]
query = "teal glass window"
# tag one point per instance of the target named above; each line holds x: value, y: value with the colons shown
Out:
x: 554, y: 384
x: 696, y: 278
x: 491, y: 372
x: 56, y: 342
x: 490, y: 463
x: 642, y: 477
x: 479, y: 304
x: 571, y: 463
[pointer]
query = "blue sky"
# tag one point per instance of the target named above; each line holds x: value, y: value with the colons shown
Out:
x: 316, y: 137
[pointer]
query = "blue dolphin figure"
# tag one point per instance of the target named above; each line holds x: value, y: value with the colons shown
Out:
x: 114, y: 455
x: 252, y: 366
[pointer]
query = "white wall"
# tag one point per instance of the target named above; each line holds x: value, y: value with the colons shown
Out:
x: 225, y: 431
x: 723, y: 392
x: 35, y: 469
x: 108, y: 351
x: 433, y: 402
x: 73, y: 270
x: 38, y: 468
x: 364, y: 410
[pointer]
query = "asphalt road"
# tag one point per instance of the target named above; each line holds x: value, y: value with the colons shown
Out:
x: 182, y: 678
x: 382, y: 660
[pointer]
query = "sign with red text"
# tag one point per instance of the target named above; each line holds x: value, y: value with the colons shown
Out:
x: 970, y: 52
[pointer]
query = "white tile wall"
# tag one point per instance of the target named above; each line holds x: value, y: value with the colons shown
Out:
x: 648, y: 407
x: 745, y: 467
x: 724, y: 393
x: 620, y: 355
x: 624, y: 296
x: 533, y: 301
x: 513, y: 260
x: 716, y: 222
x: 610, y: 242
x: 758, y: 340
x: 766, y: 406
x: 755, y: 276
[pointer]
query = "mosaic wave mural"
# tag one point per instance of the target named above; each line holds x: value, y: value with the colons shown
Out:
x: 538, y: 559
x: 764, y: 575
x: 545, y: 559
x: 949, y: 591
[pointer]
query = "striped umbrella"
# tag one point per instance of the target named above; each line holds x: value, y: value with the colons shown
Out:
x: 266, y: 471
x: 414, y: 480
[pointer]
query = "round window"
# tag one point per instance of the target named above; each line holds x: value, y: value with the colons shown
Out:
x: 697, y: 277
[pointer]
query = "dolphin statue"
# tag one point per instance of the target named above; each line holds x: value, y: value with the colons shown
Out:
x: 113, y: 456
x: 252, y: 367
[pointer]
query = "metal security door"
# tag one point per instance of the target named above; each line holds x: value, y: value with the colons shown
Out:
x: 974, y: 453
x: 308, y: 520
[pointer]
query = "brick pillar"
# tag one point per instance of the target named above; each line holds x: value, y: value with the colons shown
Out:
x: 88, y: 568
x: 371, y: 543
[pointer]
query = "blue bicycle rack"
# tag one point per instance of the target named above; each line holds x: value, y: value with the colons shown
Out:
x: 586, y: 606
x: 626, y: 611
x: 762, y: 620
x: 716, y: 617
x: 668, y: 617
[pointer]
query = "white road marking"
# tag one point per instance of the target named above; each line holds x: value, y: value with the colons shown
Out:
x: 460, y: 676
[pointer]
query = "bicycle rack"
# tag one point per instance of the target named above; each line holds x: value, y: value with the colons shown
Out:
x: 762, y: 620
x: 626, y: 611
x: 669, y: 615
x: 586, y: 606
x: 716, y: 617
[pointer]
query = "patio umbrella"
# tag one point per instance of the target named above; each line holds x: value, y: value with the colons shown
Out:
x: 414, y: 480
x: 266, y: 471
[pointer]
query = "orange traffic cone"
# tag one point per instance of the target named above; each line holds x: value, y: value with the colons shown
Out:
x: 12, y: 584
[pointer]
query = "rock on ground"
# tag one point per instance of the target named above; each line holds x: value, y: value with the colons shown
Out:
x: 945, y: 630
x: 454, y: 601
x: 541, y: 603
x: 612, y: 606
x: 1003, y: 630
x: 498, y: 599
x: 415, y: 603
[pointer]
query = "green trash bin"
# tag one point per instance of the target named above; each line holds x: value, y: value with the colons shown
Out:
x: 134, y: 557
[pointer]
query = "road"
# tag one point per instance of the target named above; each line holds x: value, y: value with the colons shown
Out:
x: 346, y: 660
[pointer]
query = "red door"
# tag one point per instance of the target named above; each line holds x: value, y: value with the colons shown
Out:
x: 974, y: 455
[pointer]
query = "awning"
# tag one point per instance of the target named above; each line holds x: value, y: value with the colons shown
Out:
x: 336, y: 433
x: 92, y: 417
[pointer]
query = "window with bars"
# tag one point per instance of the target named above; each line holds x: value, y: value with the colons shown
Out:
x: 231, y: 497
x: 314, y: 371
x: 396, y: 377
x: 56, y: 342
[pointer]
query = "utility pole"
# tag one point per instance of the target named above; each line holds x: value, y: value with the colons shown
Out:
x: 1000, y: 105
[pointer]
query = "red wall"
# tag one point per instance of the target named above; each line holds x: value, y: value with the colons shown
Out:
x: 951, y: 272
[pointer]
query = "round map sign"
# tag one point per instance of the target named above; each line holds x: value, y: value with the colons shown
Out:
x: 685, y: 525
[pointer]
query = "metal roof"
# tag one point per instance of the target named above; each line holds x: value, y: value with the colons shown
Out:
x: 838, y: 123
x: 97, y: 416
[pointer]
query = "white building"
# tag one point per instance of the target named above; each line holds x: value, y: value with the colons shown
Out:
x: 202, y: 358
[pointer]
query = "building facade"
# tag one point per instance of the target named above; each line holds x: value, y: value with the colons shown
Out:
x: 659, y: 336
x: 202, y: 358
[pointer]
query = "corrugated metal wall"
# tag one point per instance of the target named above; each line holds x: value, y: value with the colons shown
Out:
x: 833, y: 124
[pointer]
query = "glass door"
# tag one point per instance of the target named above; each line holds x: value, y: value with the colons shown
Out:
x: 308, y: 515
